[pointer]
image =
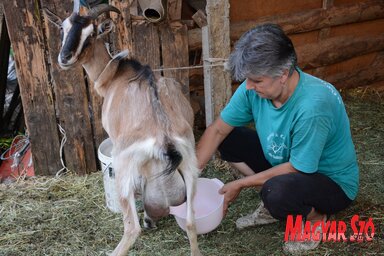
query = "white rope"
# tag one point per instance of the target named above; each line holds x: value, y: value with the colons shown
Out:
x: 210, y: 60
x: 63, y: 141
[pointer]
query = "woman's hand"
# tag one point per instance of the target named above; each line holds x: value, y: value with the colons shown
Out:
x: 230, y: 191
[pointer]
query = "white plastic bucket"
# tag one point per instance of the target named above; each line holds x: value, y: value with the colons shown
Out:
x: 105, y: 156
x: 208, y: 206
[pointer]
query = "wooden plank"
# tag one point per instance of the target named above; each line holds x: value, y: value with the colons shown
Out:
x: 96, y: 101
x: 305, y: 21
x: 174, y: 46
x: 36, y: 92
x: 337, y: 49
x: 174, y: 9
x: 71, y: 100
x: 122, y: 36
x: 216, y: 46
x: 146, y: 44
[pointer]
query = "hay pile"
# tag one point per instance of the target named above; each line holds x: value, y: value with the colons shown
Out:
x: 67, y: 215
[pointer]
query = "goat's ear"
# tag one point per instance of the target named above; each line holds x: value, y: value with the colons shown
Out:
x: 56, y: 20
x: 105, y: 28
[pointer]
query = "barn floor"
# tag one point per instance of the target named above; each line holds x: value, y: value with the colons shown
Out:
x: 67, y: 215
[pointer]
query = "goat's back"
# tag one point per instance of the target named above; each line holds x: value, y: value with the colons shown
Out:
x: 128, y: 114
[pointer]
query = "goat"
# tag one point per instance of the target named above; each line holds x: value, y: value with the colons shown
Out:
x: 147, y: 118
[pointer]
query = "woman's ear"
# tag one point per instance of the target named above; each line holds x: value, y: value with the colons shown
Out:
x: 284, y: 77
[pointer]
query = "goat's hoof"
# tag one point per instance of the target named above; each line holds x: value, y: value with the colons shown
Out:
x: 149, y: 223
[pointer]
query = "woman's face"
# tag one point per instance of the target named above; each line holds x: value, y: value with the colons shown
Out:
x: 266, y: 87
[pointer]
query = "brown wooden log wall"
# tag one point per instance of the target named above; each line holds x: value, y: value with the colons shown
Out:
x: 332, y: 37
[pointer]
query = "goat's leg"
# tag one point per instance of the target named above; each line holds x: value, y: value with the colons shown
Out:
x: 190, y: 178
x: 131, y: 225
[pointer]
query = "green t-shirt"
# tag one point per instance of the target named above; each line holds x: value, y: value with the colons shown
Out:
x: 311, y: 130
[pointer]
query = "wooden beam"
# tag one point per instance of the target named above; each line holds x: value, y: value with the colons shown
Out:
x: 216, y: 49
x: 337, y: 49
x: 305, y: 21
x: 36, y: 90
x: 71, y: 100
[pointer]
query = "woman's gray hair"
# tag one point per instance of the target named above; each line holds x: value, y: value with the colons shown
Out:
x: 262, y: 51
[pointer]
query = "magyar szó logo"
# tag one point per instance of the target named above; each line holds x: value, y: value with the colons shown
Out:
x: 330, y: 230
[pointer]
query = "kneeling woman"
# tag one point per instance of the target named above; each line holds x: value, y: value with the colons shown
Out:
x: 300, y: 153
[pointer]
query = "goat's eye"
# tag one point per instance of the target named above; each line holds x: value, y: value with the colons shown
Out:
x: 61, y: 34
x: 87, y: 42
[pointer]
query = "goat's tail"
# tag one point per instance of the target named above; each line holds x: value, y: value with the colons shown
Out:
x: 159, y: 113
x: 172, y: 156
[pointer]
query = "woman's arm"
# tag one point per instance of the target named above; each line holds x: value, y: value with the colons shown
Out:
x: 210, y: 141
x: 232, y: 189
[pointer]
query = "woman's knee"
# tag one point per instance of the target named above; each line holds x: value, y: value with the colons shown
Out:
x: 275, y: 194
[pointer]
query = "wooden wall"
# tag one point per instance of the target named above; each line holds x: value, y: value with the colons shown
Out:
x: 341, y: 41
x: 53, y: 97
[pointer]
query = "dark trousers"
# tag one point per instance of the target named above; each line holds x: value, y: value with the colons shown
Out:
x: 293, y: 193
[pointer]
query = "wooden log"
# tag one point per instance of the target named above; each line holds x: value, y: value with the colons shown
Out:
x: 305, y: 21
x: 216, y: 46
x: 337, y: 49
x: 36, y: 91
x: 362, y: 77
x: 174, y: 46
x: 72, y: 105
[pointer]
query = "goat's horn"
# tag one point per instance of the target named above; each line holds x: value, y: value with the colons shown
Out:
x: 76, y: 6
x: 101, y: 8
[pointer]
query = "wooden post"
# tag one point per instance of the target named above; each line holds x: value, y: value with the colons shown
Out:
x: 216, y: 49
x: 25, y: 30
x: 5, y: 45
x: 324, y: 32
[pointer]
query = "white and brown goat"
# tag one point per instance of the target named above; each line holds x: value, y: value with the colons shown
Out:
x: 148, y: 120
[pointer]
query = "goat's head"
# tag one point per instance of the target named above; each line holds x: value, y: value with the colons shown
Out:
x: 79, y: 33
